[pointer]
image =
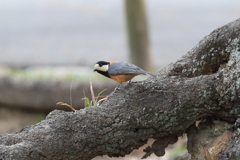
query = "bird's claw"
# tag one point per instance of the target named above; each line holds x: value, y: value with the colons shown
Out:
x: 117, y: 88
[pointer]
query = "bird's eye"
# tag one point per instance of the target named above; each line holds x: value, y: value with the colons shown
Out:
x: 100, y: 65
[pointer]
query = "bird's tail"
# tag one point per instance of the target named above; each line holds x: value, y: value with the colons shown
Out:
x: 150, y: 74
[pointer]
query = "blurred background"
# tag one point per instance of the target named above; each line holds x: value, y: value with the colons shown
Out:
x: 48, y: 47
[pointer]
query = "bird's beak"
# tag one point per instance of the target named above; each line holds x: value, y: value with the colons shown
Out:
x: 95, y: 67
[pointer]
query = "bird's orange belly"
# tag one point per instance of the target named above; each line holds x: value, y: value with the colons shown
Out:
x: 122, y: 77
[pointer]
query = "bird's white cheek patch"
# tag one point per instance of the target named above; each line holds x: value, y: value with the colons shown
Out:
x: 103, y: 68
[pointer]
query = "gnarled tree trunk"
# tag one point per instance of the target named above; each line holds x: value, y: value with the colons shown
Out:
x: 204, y: 83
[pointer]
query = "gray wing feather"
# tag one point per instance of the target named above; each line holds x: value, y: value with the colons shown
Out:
x: 125, y: 68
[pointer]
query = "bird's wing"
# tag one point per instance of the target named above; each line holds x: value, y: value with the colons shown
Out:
x: 121, y: 67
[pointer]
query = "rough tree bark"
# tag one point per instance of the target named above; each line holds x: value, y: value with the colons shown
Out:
x: 204, y: 83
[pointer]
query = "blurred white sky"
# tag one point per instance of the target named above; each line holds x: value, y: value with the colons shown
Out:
x: 81, y: 32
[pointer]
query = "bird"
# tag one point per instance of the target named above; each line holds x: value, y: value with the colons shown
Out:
x: 119, y: 71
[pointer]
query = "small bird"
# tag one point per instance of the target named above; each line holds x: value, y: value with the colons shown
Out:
x: 119, y: 71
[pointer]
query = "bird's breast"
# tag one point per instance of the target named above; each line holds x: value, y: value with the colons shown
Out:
x: 122, y: 77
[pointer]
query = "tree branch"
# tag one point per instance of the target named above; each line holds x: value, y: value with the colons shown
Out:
x: 203, y: 83
x: 38, y: 95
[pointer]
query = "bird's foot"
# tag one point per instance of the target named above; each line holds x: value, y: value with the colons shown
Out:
x: 129, y: 82
x: 117, y: 88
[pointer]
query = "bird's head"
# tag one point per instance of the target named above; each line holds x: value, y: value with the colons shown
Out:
x: 101, y: 66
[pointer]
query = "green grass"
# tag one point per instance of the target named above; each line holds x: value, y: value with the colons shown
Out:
x: 94, y: 101
x: 87, y: 101
x: 41, y: 116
